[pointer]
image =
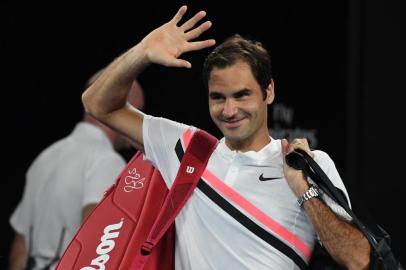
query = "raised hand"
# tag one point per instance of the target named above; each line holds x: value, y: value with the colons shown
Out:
x: 167, y: 43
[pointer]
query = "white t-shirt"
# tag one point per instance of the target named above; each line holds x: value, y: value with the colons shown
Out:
x: 70, y: 174
x: 234, y: 220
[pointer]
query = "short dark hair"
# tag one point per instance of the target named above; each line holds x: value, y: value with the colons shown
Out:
x: 237, y: 48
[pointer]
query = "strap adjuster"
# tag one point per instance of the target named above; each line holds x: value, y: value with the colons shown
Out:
x: 146, y: 248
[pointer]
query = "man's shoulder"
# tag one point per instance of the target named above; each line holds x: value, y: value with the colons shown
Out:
x: 51, y: 150
x: 164, y: 123
x: 164, y: 130
x: 321, y: 156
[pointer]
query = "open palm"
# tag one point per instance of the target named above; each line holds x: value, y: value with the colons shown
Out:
x: 165, y: 44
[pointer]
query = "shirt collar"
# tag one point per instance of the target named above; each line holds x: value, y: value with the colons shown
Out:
x: 262, y: 157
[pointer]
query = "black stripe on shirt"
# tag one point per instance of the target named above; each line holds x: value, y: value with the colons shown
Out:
x: 243, y: 219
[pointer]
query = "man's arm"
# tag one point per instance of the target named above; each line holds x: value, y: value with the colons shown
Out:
x: 18, y: 253
x: 106, y: 97
x: 345, y: 243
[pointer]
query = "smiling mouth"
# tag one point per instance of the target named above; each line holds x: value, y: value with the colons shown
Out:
x: 233, y: 123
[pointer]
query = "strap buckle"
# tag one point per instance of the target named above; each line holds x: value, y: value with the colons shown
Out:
x: 146, y: 248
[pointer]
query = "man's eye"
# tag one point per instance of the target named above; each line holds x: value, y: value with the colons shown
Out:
x: 215, y: 96
x: 242, y: 94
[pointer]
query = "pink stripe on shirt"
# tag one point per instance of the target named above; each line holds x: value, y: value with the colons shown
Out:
x: 251, y: 208
x: 258, y: 214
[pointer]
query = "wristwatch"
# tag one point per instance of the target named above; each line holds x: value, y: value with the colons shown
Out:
x: 312, y: 192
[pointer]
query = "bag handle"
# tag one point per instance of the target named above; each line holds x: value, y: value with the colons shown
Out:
x: 191, y: 169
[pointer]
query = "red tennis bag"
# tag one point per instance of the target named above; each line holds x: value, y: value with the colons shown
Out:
x: 133, y: 226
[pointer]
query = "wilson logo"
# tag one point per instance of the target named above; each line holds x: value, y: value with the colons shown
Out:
x: 106, y: 245
x: 190, y: 169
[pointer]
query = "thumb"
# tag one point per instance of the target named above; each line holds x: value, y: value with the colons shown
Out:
x: 182, y: 63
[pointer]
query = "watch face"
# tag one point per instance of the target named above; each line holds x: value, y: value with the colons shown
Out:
x: 313, y: 192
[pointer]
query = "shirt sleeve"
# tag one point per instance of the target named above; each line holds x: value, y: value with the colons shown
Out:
x: 20, y: 218
x: 329, y: 168
x: 101, y: 174
x: 160, y: 137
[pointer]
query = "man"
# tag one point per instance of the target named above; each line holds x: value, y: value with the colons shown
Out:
x: 245, y: 213
x: 63, y: 185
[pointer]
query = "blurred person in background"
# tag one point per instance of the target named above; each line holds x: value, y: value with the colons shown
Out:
x: 63, y: 185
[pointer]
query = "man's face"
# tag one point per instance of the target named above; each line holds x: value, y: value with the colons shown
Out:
x: 237, y: 106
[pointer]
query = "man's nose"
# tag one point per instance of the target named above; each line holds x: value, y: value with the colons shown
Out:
x: 230, y: 108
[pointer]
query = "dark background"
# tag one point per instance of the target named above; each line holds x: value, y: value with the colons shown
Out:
x: 338, y: 67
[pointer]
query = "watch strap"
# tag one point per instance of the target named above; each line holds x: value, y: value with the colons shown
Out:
x: 312, y: 192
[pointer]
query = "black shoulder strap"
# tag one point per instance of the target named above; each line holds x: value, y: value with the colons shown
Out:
x: 300, y: 160
x: 383, y: 256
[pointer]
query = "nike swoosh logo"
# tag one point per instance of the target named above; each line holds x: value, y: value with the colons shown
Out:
x: 262, y: 178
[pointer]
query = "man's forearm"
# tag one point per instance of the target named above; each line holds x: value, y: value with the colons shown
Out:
x: 346, y: 244
x: 109, y: 92
x: 18, y: 253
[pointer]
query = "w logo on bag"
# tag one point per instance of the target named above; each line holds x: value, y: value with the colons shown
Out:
x: 106, y: 245
x: 190, y: 169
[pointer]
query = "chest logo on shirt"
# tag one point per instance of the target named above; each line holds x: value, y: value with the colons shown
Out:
x: 262, y: 178
x: 190, y: 169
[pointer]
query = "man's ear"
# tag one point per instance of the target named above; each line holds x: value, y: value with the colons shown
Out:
x: 270, y: 92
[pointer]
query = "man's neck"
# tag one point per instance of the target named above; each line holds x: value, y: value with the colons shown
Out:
x: 248, y: 145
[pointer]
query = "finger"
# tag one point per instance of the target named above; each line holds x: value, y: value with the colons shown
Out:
x: 198, y: 45
x: 181, y: 63
x: 305, y: 140
x: 295, y: 141
x: 285, y: 146
x: 178, y: 16
x: 198, y: 31
x: 301, y: 142
x: 192, y: 21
